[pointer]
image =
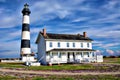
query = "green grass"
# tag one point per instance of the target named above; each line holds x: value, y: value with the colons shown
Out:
x: 12, y: 65
x: 64, y: 77
x: 112, y: 60
x: 63, y: 67
x: 7, y: 77
x: 54, y: 67
x: 66, y: 67
x: 79, y: 77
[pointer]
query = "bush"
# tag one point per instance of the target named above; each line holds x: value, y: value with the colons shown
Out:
x: 112, y: 56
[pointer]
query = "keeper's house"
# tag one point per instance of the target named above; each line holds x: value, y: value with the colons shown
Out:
x: 65, y: 48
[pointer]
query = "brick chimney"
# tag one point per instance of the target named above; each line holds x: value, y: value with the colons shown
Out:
x: 44, y: 32
x: 84, y: 34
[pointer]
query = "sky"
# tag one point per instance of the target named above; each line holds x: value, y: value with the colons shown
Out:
x: 99, y: 18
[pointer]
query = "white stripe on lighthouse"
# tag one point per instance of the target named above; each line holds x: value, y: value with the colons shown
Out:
x: 26, y: 50
x: 26, y: 35
x: 26, y: 19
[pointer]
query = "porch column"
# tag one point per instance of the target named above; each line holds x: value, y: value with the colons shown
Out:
x: 59, y: 56
x: 50, y: 60
x: 89, y: 56
x: 51, y: 56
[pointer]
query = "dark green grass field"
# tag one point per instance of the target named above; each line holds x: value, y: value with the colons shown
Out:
x: 109, y: 64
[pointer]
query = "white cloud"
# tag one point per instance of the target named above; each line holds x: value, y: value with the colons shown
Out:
x: 111, y: 4
x: 10, y: 20
x: 110, y: 52
x: 118, y: 52
x: 80, y: 19
x: 46, y: 10
x: 98, y: 52
x: 2, y: 0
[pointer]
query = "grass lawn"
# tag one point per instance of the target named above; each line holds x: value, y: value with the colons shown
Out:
x: 64, y: 77
x: 66, y: 66
x: 54, y: 67
x: 112, y: 60
x: 6, y: 77
x: 12, y: 65
x: 61, y: 67
x: 83, y: 77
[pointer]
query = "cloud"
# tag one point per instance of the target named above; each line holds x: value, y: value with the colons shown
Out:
x: 9, y: 19
x: 111, y: 4
x: 100, y: 21
x: 98, y: 52
x: 80, y: 19
x: 118, y: 52
x: 2, y: 0
x: 110, y: 52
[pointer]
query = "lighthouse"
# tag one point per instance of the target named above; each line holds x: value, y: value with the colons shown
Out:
x: 26, y: 54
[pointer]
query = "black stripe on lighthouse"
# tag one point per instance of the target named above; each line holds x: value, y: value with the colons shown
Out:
x: 25, y: 42
x: 25, y: 27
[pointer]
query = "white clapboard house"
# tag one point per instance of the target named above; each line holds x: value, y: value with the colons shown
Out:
x: 65, y: 48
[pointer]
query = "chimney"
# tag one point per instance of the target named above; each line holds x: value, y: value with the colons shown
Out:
x: 44, y: 32
x: 84, y: 34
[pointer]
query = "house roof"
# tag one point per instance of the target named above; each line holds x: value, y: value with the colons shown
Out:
x: 70, y: 50
x: 63, y: 37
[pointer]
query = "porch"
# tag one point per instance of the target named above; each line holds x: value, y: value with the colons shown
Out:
x: 70, y: 56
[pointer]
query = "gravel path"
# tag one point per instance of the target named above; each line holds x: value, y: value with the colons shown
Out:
x: 56, y: 73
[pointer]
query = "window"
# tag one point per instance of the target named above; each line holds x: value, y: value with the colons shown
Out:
x: 81, y: 44
x: 73, y: 44
x: 50, y: 44
x: 88, y: 45
x: 67, y: 44
x: 58, y: 44
x: 59, y: 54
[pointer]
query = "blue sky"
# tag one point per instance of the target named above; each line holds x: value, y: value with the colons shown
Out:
x: 99, y: 18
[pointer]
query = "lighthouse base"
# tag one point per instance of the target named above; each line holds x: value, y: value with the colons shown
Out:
x: 27, y: 58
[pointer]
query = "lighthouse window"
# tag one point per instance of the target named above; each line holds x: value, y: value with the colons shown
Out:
x: 50, y: 44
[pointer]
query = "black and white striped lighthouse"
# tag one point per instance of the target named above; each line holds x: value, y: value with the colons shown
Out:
x: 25, y: 41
